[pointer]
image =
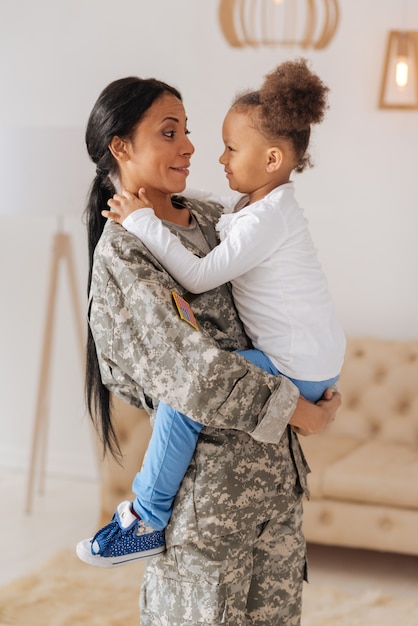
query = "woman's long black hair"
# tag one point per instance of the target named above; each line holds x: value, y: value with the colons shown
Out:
x: 117, y: 112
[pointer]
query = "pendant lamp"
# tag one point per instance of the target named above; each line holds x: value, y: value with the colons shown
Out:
x: 399, y: 86
x: 304, y: 23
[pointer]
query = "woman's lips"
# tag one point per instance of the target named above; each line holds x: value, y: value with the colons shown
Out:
x: 181, y: 170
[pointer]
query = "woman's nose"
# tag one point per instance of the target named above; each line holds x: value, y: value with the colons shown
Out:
x: 189, y: 147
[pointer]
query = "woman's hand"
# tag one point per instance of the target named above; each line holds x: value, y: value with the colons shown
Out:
x: 310, y: 419
x: 125, y: 203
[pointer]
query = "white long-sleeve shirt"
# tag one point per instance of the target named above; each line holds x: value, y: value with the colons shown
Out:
x: 279, y: 289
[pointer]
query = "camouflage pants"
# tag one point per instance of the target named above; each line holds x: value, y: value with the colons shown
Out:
x: 251, y: 578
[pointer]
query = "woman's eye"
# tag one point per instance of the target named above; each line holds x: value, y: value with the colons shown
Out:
x: 172, y: 133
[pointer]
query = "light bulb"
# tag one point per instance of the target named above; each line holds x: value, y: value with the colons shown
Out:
x: 401, y: 72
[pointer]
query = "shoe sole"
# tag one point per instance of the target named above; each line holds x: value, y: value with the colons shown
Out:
x: 84, y: 553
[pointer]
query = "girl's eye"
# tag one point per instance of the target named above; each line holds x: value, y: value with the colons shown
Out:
x: 187, y: 131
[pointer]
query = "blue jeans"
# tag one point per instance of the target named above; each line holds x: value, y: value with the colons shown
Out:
x: 172, y: 446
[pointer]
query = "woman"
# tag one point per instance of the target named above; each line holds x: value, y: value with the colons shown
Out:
x: 235, y: 548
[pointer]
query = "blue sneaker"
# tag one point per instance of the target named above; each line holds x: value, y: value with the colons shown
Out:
x: 126, y: 538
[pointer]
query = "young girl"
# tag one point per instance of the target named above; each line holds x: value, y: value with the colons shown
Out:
x: 266, y: 252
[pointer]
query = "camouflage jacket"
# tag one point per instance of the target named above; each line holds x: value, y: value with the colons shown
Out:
x: 247, y: 463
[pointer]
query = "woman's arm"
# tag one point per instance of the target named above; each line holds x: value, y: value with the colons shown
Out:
x: 149, y: 345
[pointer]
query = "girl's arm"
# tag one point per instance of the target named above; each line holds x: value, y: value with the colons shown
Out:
x: 250, y: 241
x: 177, y: 364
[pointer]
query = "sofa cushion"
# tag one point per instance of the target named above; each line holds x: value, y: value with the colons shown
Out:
x: 339, y: 523
x: 376, y: 472
x: 321, y: 451
x: 379, y: 386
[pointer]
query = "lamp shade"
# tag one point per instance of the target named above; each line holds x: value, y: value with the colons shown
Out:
x: 306, y: 23
x: 44, y: 171
x: 399, y: 87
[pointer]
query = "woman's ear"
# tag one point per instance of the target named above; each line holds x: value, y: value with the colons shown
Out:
x: 119, y: 149
x: 274, y: 159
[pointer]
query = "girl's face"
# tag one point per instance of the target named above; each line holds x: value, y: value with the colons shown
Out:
x: 246, y: 156
x: 158, y: 154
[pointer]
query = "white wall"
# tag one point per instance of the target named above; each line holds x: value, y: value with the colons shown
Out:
x: 361, y: 198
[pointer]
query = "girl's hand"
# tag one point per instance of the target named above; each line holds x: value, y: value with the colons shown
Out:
x: 125, y: 203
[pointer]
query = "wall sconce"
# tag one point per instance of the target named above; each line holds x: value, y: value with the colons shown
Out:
x: 306, y: 23
x: 399, y: 87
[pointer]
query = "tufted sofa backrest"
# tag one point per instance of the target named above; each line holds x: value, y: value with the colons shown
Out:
x: 379, y: 386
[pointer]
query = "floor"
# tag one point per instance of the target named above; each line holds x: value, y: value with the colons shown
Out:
x: 68, y: 511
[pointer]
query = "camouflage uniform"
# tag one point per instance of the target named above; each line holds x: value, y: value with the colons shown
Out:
x: 235, y: 549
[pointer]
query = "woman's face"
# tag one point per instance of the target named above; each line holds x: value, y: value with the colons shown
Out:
x: 159, y: 152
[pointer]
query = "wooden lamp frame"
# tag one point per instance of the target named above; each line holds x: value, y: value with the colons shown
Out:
x: 411, y: 41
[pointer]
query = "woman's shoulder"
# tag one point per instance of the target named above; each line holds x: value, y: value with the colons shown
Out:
x: 122, y: 257
x: 114, y: 237
x: 117, y: 244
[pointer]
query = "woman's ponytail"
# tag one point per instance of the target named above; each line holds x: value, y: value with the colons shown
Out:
x: 117, y: 112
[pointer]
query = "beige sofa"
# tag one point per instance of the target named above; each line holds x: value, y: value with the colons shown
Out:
x: 364, y: 480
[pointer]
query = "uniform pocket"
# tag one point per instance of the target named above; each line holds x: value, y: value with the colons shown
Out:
x: 178, y: 601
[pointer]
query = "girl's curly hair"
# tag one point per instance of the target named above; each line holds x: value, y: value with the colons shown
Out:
x: 290, y: 100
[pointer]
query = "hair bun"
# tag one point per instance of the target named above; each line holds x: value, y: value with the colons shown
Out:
x: 294, y: 96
